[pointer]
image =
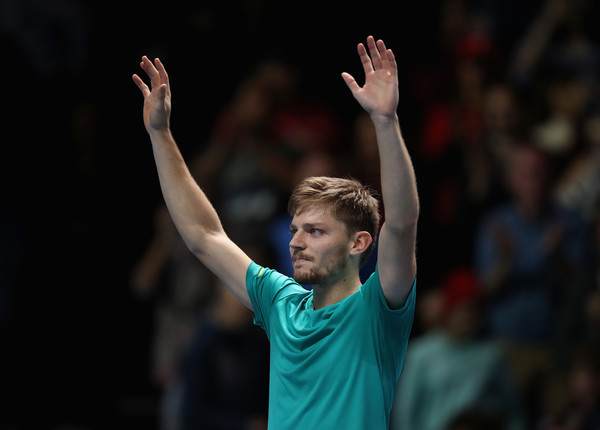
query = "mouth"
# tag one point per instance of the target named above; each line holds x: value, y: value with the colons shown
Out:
x: 300, y: 258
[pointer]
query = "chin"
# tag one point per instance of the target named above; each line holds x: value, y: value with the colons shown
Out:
x: 306, y: 277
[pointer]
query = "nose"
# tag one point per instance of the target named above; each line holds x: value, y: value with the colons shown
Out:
x: 296, y: 242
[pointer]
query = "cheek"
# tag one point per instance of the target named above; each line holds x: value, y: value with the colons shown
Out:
x: 326, y: 248
x: 336, y: 254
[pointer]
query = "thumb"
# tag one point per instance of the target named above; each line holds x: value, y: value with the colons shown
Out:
x: 350, y: 82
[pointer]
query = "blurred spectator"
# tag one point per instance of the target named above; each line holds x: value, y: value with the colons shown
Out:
x: 502, y: 123
x: 170, y: 275
x: 528, y: 250
x: 429, y: 315
x: 234, y: 167
x: 459, y: 33
x: 579, y: 187
x: 257, y: 141
x: 559, y: 129
x: 581, y: 410
x: 457, y: 167
x: 456, y: 368
x: 559, y: 36
x: 556, y: 66
x: 580, y: 325
x: 579, y: 191
x: 51, y: 35
x: 457, y: 117
x: 226, y: 370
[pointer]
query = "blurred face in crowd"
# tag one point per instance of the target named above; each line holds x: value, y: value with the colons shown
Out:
x: 500, y: 109
x: 528, y: 178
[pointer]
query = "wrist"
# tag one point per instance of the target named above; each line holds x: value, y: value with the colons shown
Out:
x: 159, y: 133
x: 384, y: 119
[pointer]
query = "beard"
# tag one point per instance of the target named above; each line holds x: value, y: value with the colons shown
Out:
x: 324, y: 274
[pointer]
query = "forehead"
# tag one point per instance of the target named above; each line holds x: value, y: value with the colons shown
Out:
x: 314, y: 215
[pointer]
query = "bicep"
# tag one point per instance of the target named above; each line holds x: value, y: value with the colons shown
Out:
x: 228, y: 262
x: 396, y: 263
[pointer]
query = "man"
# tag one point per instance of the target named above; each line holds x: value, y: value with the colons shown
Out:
x: 337, y: 351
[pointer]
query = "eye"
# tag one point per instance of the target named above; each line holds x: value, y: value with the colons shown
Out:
x: 316, y: 231
x: 293, y: 231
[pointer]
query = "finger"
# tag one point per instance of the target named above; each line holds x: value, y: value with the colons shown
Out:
x: 392, y: 60
x: 162, y: 72
x: 141, y: 85
x: 350, y: 82
x: 374, y: 52
x: 383, y: 53
x: 150, y: 70
x: 364, y: 58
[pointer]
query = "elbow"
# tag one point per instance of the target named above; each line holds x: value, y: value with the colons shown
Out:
x: 195, y: 246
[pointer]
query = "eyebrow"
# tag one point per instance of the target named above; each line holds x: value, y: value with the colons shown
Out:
x: 309, y: 225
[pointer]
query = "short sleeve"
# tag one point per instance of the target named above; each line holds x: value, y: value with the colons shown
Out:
x: 398, y: 321
x: 265, y: 286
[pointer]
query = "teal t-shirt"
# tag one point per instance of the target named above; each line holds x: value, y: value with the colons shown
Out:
x: 335, y: 367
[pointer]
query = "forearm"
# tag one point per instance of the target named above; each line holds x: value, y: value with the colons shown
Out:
x: 189, y: 207
x: 398, y: 182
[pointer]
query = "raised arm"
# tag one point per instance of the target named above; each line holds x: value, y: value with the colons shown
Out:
x: 194, y: 216
x: 397, y: 240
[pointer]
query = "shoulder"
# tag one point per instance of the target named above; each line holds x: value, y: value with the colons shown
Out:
x: 263, y: 281
x: 260, y: 274
x: 266, y: 287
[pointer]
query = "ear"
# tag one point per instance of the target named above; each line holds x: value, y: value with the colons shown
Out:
x: 362, y: 240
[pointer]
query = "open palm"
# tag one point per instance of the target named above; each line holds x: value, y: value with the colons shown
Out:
x: 379, y: 94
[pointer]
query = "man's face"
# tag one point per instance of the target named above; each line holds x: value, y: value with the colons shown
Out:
x: 319, y: 246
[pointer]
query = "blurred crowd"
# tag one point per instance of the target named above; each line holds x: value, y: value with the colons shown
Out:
x: 507, y: 331
x: 502, y: 121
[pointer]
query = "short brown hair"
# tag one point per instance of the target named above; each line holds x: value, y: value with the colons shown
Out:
x: 351, y: 202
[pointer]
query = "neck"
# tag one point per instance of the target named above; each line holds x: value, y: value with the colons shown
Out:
x: 325, y: 294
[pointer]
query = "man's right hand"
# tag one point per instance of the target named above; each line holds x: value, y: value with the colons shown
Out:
x: 157, y: 100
